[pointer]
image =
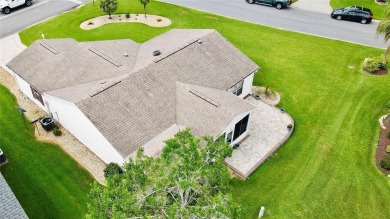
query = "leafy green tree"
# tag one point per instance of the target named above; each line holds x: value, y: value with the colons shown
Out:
x: 384, y: 28
x: 144, y: 3
x: 188, y: 180
x: 109, y: 6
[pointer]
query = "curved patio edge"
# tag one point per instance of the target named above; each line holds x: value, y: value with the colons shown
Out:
x: 245, y: 167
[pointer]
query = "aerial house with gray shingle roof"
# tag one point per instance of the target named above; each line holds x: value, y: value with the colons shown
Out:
x: 116, y: 96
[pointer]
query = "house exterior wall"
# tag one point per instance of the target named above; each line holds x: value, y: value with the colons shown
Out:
x: 231, y: 126
x: 247, y: 87
x: 71, y: 118
x: 26, y: 89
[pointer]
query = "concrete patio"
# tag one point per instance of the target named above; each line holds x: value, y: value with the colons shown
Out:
x: 267, y: 132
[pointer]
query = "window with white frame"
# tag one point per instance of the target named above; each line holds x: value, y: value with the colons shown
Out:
x: 37, y: 95
x: 237, y: 89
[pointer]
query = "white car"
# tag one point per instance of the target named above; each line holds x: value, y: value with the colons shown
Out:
x: 7, y: 5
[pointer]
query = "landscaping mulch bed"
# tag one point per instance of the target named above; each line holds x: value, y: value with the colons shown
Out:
x: 379, y: 72
x: 382, y: 144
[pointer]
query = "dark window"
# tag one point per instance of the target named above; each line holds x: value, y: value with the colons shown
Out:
x: 37, y: 95
x: 237, y: 89
x: 229, y: 137
x: 241, y: 127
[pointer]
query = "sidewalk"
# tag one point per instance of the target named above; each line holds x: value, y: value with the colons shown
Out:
x: 10, y: 47
x: 322, y: 6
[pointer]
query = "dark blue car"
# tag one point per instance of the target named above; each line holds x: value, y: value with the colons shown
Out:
x: 353, y: 13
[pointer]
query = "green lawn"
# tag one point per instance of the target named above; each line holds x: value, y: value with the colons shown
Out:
x: 375, y: 8
x: 47, y: 182
x: 326, y: 169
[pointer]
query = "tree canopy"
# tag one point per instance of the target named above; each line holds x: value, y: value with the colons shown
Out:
x: 108, y: 6
x: 188, y: 180
x: 383, y: 27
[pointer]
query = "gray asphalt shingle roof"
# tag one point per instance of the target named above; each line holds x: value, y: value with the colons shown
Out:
x: 9, y: 205
x: 207, y: 110
x: 134, y: 102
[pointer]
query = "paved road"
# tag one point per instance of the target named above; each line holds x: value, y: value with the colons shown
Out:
x: 40, y: 10
x: 313, y: 23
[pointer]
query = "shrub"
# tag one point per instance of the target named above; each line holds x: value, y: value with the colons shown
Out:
x: 57, y: 132
x: 385, y: 162
x: 159, y: 19
x: 112, y: 169
x: 127, y: 15
x: 269, y: 92
x: 374, y: 64
x: 388, y: 148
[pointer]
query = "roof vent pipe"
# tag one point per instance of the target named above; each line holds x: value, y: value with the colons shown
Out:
x: 156, y: 52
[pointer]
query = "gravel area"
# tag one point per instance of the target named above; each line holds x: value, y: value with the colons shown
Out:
x: 151, y: 20
x: 66, y: 141
x: 272, y: 99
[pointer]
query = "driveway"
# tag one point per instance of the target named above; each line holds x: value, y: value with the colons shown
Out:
x: 41, y: 10
x: 313, y: 23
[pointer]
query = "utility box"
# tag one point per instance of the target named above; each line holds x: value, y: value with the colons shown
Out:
x: 3, y: 160
x: 47, y: 123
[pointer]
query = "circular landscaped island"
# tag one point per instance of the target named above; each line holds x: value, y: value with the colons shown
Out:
x: 151, y: 20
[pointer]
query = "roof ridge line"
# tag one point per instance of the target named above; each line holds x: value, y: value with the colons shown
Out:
x: 105, y: 57
x: 204, y: 97
x: 177, y: 49
x: 48, y: 47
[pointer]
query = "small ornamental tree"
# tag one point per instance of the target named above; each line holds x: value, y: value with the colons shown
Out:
x: 144, y: 3
x: 108, y: 7
x: 188, y: 180
x: 383, y: 28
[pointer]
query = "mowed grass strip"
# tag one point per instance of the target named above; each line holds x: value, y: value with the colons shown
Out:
x: 326, y: 169
x: 47, y: 182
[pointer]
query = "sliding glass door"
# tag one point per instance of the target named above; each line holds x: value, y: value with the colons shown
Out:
x: 241, y: 127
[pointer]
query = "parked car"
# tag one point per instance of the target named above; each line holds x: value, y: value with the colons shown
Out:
x: 7, y: 5
x: 278, y: 4
x: 353, y: 13
x: 355, y: 7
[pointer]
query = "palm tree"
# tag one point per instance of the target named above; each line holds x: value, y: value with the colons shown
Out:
x: 384, y: 28
x: 108, y: 7
x: 144, y: 3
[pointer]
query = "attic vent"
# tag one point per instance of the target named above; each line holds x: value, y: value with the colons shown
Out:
x: 108, y: 59
x: 212, y: 102
x: 200, y: 41
x: 156, y: 52
x: 51, y: 49
x: 125, y: 55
